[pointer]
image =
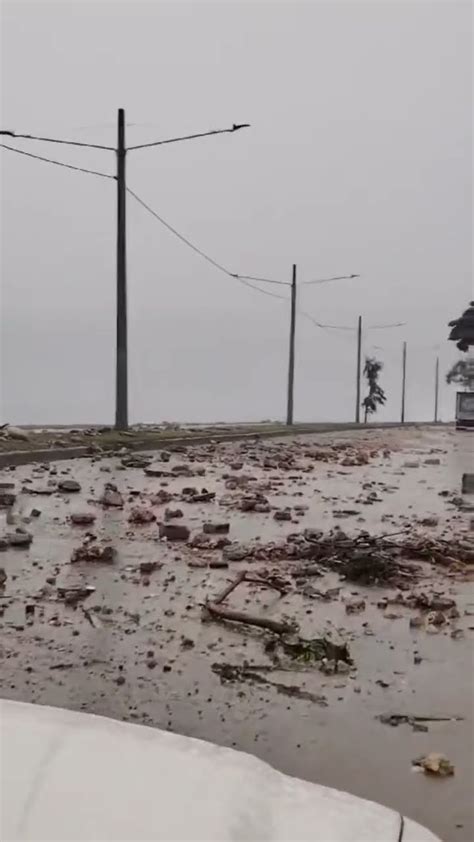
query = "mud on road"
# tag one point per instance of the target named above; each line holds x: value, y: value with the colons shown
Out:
x: 123, y: 635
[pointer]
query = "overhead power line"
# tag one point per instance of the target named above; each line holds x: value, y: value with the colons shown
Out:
x: 265, y: 280
x: 177, y: 234
x: 56, y: 163
x: 243, y: 279
x: 263, y: 291
x: 325, y: 326
x: 349, y: 327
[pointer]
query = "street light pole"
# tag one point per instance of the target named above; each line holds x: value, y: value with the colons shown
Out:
x: 291, y: 359
x: 436, y: 390
x: 404, y: 380
x: 359, y: 366
x: 121, y: 381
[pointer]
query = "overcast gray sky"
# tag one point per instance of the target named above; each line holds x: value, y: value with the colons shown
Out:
x: 358, y: 160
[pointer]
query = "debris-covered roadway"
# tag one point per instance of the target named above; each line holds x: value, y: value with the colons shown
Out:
x: 306, y: 600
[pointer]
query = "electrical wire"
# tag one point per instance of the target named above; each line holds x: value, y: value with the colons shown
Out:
x: 234, y: 128
x: 263, y: 291
x: 177, y: 234
x: 348, y: 327
x: 57, y: 163
x: 325, y: 326
x: 242, y: 279
x: 55, y: 140
x: 264, y: 280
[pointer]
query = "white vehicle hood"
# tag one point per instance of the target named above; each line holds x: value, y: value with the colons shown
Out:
x: 74, y: 776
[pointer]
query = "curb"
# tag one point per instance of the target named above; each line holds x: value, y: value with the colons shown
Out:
x: 24, y: 457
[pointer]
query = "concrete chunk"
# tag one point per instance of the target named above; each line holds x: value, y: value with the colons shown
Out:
x: 468, y: 483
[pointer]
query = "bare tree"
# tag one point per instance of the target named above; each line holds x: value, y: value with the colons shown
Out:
x: 375, y: 396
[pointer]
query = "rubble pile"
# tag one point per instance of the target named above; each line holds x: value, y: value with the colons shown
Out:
x: 90, y: 551
x: 140, y: 515
x: 365, y: 559
x: 438, y: 550
x: 297, y: 456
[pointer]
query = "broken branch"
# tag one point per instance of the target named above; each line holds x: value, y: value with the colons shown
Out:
x: 223, y: 613
x: 229, y: 588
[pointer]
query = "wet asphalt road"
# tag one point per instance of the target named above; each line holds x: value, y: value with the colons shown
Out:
x: 137, y: 666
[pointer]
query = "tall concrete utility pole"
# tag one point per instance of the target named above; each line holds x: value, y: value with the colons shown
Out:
x: 291, y: 360
x: 359, y: 369
x: 121, y: 381
x: 404, y: 380
x: 436, y: 390
x: 121, y: 375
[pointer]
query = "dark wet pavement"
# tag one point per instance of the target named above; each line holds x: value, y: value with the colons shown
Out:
x: 135, y: 665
